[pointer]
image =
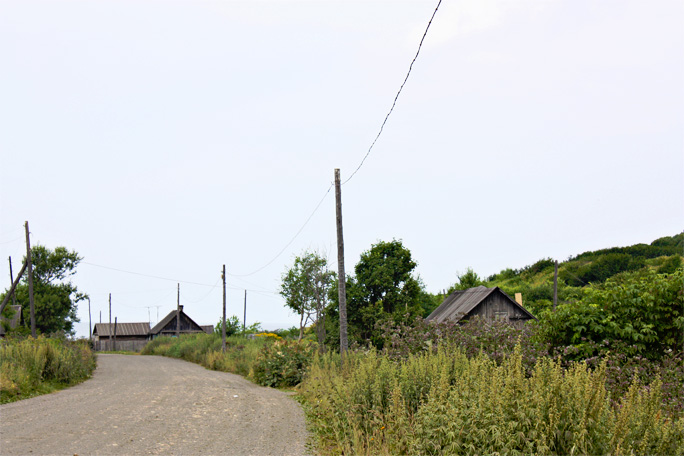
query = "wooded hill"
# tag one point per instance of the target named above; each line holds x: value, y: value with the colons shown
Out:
x: 535, y: 281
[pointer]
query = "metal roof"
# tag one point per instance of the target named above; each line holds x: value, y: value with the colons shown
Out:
x: 460, y: 303
x: 122, y: 329
x: 167, y: 319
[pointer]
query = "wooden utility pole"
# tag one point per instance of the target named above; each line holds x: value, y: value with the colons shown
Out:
x: 12, y: 288
x: 90, y: 322
x: 30, y: 282
x: 555, y: 285
x: 223, y: 322
x: 14, y: 295
x: 110, y: 321
x: 342, y: 284
x: 115, y: 318
x: 178, y: 313
x: 244, y: 318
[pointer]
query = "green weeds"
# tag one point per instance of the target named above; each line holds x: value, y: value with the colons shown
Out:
x: 36, y: 366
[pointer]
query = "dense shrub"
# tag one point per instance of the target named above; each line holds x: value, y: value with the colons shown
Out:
x: 282, y: 363
x: 643, y: 312
x: 34, y: 366
x: 444, y: 402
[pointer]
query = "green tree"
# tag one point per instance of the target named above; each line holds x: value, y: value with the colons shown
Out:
x: 383, y: 288
x: 305, y: 286
x: 468, y: 279
x: 55, y: 297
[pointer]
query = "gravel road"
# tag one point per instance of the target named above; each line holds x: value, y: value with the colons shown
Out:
x: 137, y: 405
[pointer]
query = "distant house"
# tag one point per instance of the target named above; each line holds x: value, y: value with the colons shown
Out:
x: 13, y: 322
x: 492, y: 304
x: 209, y: 329
x: 129, y: 336
x: 167, y: 326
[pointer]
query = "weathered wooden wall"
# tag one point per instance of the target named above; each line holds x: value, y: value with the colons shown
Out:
x: 496, y: 307
x: 124, y: 345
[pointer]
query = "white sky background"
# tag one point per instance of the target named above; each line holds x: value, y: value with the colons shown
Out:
x: 169, y: 138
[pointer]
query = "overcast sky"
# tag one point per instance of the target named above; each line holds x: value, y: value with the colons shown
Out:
x: 167, y: 138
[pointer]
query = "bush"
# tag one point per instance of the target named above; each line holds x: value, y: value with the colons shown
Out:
x: 282, y: 363
x: 34, y: 366
x: 443, y: 402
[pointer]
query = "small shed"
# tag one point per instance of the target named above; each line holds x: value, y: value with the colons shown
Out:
x: 129, y: 336
x: 491, y: 304
x: 167, y: 326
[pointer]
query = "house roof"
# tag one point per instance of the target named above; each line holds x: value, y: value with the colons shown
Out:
x: 167, y: 319
x: 122, y: 329
x: 209, y: 329
x: 460, y: 303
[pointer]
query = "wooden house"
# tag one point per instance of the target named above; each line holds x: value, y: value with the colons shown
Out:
x: 491, y: 304
x: 167, y: 326
x: 129, y: 336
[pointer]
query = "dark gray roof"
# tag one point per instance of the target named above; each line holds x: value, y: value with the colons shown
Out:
x: 209, y: 329
x: 167, y: 319
x: 122, y: 329
x: 460, y: 303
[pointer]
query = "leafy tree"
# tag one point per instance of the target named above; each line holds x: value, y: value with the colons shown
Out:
x: 56, y: 298
x: 382, y: 289
x: 468, y: 279
x: 305, y: 287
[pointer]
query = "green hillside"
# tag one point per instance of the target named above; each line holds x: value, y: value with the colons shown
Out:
x: 535, y: 281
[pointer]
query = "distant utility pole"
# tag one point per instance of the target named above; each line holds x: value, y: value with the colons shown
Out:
x: 223, y: 322
x: 555, y: 284
x: 12, y: 288
x: 244, y: 318
x: 178, y: 313
x: 115, y: 318
x: 110, y: 321
x: 90, y: 322
x: 30, y: 282
x: 14, y: 295
x: 342, y: 284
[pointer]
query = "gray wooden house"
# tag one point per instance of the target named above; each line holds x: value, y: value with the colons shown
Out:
x: 491, y: 304
x: 167, y: 326
x: 129, y: 336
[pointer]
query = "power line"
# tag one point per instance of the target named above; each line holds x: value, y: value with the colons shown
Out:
x: 291, y: 240
x: 397, y: 96
x: 147, y: 275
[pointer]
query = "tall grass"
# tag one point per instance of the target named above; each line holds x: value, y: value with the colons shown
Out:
x: 205, y: 349
x: 446, y: 403
x: 36, y: 366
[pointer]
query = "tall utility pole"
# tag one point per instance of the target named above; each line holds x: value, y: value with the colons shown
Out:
x: 14, y: 295
x: 244, y: 318
x: 178, y: 313
x: 555, y: 284
x: 223, y: 322
x: 30, y: 282
x: 110, y: 321
x: 90, y: 322
x: 342, y: 283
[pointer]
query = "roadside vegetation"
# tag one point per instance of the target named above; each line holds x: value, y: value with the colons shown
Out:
x: 603, y: 373
x: 29, y: 367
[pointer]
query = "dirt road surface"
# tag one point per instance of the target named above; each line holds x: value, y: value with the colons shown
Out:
x: 137, y: 405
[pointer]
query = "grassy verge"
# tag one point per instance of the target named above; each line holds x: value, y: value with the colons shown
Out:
x: 30, y: 367
x: 444, y: 402
x: 266, y: 360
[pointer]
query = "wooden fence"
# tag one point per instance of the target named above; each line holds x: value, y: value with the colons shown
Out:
x: 123, y: 345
